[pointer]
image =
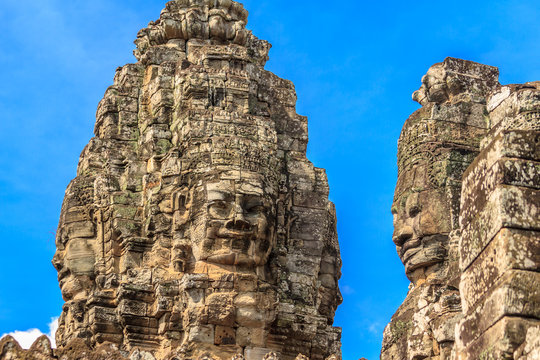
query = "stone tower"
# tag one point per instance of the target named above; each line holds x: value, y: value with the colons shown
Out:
x: 500, y: 243
x: 196, y: 228
x: 466, y: 219
x: 437, y: 144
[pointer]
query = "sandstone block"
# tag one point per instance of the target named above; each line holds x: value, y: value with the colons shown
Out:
x: 224, y: 335
x: 499, y: 341
x: 524, y: 173
x: 256, y: 353
x: 530, y: 349
x: 510, y: 249
x: 508, y: 206
x: 220, y: 309
x: 516, y: 294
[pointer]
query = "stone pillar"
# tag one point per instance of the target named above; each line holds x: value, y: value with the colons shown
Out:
x: 500, y: 243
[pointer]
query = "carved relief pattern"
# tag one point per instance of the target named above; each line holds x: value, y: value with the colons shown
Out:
x: 196, y: 227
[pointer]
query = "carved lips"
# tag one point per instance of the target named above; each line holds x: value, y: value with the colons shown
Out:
x: 237, y: 231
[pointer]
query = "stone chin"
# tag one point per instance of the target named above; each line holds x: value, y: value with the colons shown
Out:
x: 232, y: 258
x: 423, y: 252
x: 71, y: 287
x: 239, y: 252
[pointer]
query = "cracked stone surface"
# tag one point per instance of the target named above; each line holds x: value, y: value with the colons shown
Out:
x: 196, y: 228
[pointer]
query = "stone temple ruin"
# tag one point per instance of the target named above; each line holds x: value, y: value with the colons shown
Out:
x: 467, y: 220
x: 196, y: 228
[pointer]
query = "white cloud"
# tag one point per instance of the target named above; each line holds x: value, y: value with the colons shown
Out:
x: 347, y: 290
x: 27, y: 338
x: 53, y: 326
x: 376, y: 328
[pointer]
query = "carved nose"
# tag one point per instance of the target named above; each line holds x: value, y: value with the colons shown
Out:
x: 400, y: 237
x: 238, y: 222
x: 57, y: 262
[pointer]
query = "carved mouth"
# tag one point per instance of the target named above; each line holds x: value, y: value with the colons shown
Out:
x: 232, y: 258
x: 411, y: 244
x: 62, y: 276
x: 231, y: 249
x: 410, y: 248
x: 424, y: 247
x: 225, y: 245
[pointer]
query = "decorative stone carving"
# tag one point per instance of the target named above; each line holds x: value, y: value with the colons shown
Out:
x: 437, y: 144
x: 467, y: 230
x: 196, y: 227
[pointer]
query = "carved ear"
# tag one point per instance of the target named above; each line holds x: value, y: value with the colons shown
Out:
x: 181, y: 203
x: 179, y: 199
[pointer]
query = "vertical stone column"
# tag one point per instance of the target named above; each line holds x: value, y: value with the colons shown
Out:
x: 500, y: 243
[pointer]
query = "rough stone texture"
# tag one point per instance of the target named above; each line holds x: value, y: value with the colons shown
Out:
x: 437, y: 144
x: 467, y: 220
x: 500, y: 244
x: 40, y: 349
x: 196, y: 228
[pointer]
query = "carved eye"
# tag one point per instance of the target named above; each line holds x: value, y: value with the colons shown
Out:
x: 414, y: 210
x: 254, y: 207
x: 219, y: 209
x: 218, y: 204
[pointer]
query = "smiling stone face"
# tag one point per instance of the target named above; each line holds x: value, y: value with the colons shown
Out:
x: 236, y: 224
x: 226, y: 220
x: 78, y: 268
x: 426, y: 199
x: 437, y: 144
x: 433, y: 153
x: 195, y: 211
x: 421, y: 228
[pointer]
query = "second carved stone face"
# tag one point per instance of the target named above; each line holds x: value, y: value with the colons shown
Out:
x: 421, y: 228
x: 76, y: 270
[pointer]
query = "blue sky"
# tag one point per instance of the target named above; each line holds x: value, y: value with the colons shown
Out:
x: 355, y: 66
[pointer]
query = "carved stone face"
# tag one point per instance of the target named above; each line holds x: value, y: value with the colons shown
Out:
x: 76, y: 269
x: 234, y: 224
x: 422, y: 209
x: 421, y: 228
x: 434, y: 87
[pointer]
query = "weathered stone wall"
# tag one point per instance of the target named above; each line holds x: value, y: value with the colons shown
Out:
x: 196, y: 228
x: 500, y: 243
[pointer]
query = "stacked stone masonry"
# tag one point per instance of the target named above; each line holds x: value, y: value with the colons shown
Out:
x: 196, y: 228
x: 500, y: 242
